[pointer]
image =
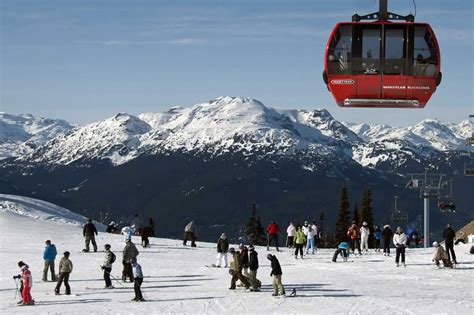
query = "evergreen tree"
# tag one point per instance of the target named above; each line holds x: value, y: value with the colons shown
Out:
x: 343, y: 217
x: 355, y: 216
x: 367, y: 214
x: 254, y: 229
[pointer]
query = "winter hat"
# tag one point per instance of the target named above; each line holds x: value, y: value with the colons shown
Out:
x: 399, y: 229
x: 89, y: 220
x: 223, y: 235
x: 107, y: 246
x: 435, y: 244
x: 48, y: 242
x: 21, y: 264
x: 232, y: 250
x: 305, y: 222
x: 269, y: 256
x: 251, y: 247
x: 66, y: 254
x: 364, y: 223
x: 112, y: 223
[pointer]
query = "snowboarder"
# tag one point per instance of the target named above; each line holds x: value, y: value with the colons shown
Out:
x: 109, y: 259
x: 343, y: 250
x: 441, y: 255
x: 253, y: 266
x: 222, y: 249
x: 128, y: 232
x: 111, y: 228
x: 138, y: 280
x: 364, y: 236
x: 378, y: 238
x: 89, y: 232
x: 278, y: 288
x: 449, y: 236
x: 190, y: 233
x: 400, y: 241
x: 236, y: 270
x: 300, y: 239
x: 354, y: 233
x: 26, y: 284
x: 272, y: 234
x: 49, y: 255
x: 387, y: 236
x: 310, y: 240
x: 291, y: 230
x: 65, y: 269
x: 130, y: 253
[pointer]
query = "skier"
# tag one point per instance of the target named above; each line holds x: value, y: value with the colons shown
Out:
x: 300, y: 239
x: 441, y: 255
x: 387, y: 236
x: 26, y: 284
x: 291, y: 230
x: 190, y: 233
x: 144, y: 233
x: 65, y: 269
x: 343, y: 250
x: 128, y: 232
x: 244, y: 254
x: 316, y: 235
x: 89, y: 232
x: 354, y: 233
x: 130, y: 253
x: 49, y: 255
x: 278, y: 288
x: 310, y: 240
x: 236, y: 270
x: 111, y: 228
x: 138, y: 276
x: 449, y: 236
x: 253, y: 266
x: 109, y: 259
x: 400, y: 241
x: 272, y: 234
x: 378, y: 237
x: 364, y: 233
x: 222, y: 249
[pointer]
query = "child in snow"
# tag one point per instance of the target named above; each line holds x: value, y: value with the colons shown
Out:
x: 222, y: 249
x: 278, y: 288
x: 364, y: 236
x: 378, y: 238
x: 400, y: 241
x: 343, y: 250
x: 109, y: 259
x: 49, y: 255
x: 138, y: 276
x: 65, y: 269
x: 27, y: 283
x: 441, y: 255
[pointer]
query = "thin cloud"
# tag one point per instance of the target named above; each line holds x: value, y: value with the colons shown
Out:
x: 121, y: 42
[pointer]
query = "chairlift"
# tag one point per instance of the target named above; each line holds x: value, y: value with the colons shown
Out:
x: 398, y: 216
x: 446, y: 206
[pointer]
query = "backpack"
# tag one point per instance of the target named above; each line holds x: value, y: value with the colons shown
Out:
x: 112, y: 258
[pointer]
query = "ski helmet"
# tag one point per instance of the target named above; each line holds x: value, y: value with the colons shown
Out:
x: 364, y: 223
x: 435, y: 244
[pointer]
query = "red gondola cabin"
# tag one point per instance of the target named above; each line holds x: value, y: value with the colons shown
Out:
x: 382, y: 64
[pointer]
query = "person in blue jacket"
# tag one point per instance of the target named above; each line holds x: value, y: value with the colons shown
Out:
x: 343, y: 250
x: 49, y: 255
x: 378, y: 238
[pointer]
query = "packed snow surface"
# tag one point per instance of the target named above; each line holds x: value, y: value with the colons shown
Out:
x: 178, y: 281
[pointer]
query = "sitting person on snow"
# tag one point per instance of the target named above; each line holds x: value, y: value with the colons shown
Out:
x: 441, y: 255
x: 343, y: 250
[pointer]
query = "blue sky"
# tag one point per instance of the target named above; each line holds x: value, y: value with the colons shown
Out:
x: 87, y: 60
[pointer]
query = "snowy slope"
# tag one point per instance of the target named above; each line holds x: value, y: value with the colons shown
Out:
x: 177, y: 281
x: 21, y: 134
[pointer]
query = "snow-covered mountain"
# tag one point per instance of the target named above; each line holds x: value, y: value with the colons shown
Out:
x: 235, y: 125
x: 22, y: 134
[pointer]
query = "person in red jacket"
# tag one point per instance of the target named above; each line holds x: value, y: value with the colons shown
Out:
x: 27, y: 282
x: 354, y: 235
x: 272, y: 234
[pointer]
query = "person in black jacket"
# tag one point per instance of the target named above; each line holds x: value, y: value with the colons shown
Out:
x: 222, y: 249
x: 449, y: 236
x: 89, y: 232
x: 387, y: 236
x: 253, y: 266
x: 278, y: 288
x: 244, y: 253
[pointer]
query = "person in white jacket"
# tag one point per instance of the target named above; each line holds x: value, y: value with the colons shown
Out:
x: 128, y: 232
x: 364, y: 236
x: 291, y: 230
x: 400, y: 241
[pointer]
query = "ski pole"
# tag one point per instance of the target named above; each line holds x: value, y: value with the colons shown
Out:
x: 116, y: 280
x: 16, y: 290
